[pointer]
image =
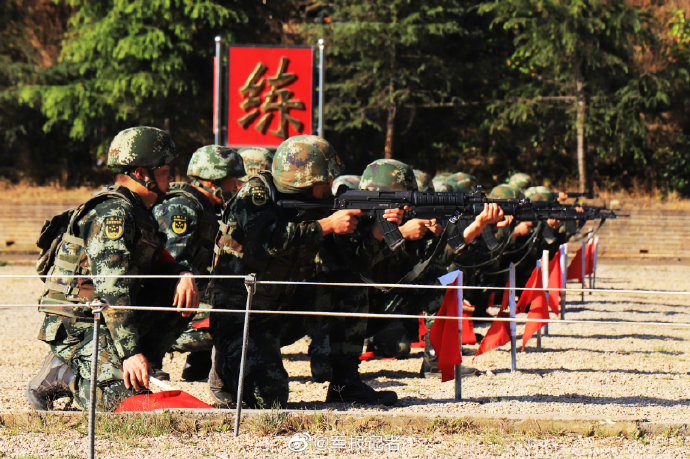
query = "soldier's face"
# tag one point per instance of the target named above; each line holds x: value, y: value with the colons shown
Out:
x: 231, y: 184
x: 163, y: 178
x: 322, y: 190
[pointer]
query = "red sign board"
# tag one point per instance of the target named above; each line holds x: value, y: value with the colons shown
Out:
x: 270, y: 94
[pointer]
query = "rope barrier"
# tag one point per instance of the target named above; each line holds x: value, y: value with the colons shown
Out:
x: 359, y: 284
x: 371, y: 315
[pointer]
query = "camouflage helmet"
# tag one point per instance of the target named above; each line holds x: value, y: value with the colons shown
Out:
x: 302, y: 161
x: 520, y: 180
x: 255, y: 159
x: 350, y: 182
x: 540, y: 194
x: 506, y: 191
x: 140, y: 146
x: 388, y: 175
x: 423, y: 180
x: 215, y: 162
x: 462, y: 182
x: 439, y: 181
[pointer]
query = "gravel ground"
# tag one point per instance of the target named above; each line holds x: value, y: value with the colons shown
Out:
x: 603, y: 371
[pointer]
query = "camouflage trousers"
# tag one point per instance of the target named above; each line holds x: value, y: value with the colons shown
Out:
x: 71, y: 340
x: 334, y: 358
x: 197, y: 336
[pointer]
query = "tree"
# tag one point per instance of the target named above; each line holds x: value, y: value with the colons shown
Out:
x: 389, y: 59
x: 581, y: 54
x: 129, y: 62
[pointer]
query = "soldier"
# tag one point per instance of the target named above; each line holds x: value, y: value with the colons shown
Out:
x: 462, y: 182
x: 255, y: 159
x: 113, y: 234
x: 439, y: 181
x: 520, y: 180
x: 344, y: 182
x: 280, y: 244
x: 188, y: 216
x: 423, y: 180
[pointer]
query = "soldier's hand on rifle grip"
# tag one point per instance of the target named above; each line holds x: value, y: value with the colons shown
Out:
x: 395, y: 215
x: 507, y: 220
x: 415, y: 229
x: 553, y: 223
x: 186, y: 294
x: 491, y: 214
x: 340, y: 222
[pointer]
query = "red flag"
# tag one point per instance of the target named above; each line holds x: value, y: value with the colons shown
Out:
x: 161, y: 400
x: 527, y: 296
x: 206, y: 323
x: 444, y: 336
x: 490, y: 301
x: 589, y: 259
x: 497, y: 335
x: 506, y: 296
x: 538, y: 310
x: 575, y: 269
x: 468, y: 336
x: 555, y: 283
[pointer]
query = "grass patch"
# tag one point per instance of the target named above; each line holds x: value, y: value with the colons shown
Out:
x: 4, y: 263
x: 136, y: 425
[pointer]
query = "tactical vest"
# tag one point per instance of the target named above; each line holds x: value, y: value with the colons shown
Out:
x: 199, y: 254
x: 70, y: 258
x: 279, y: 268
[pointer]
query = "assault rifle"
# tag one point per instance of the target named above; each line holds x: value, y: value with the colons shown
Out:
x: 588, y: 195
x: 442, y: 205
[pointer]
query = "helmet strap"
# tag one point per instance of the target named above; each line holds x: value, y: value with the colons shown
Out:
x: 149, y: 184
x: 214, y: 190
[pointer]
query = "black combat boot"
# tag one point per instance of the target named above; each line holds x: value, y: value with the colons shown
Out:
x: 215, y: 384
x: 348, y: 387
x: 197, y: 366
x: 50, y: 384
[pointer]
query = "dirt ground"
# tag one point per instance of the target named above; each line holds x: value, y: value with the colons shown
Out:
x: 582, y: 370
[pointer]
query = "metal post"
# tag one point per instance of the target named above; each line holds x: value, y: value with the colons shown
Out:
x: 594, y: 264
x: 583, y: 267
x: 97, y: 306
x: 545, y: 282
x: 458, y: 367
x: 539, y: 331
x: 250, y: 285
x: 511, y: 304
x: 564, y: 276
x: 322, y: 43
x: 217, y: 107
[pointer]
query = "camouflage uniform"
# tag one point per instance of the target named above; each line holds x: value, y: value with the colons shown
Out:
x: 114, y: 234
x: 255, y: 159
x: 423, y: 180
x: 280, y: 244
x: 461, y: 182
x: 439, y: 181
x: 349, y: 182
x: 520, y: 180
x: 189, y: 220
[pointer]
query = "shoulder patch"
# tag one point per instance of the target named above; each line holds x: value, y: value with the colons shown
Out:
x: 114, y: 227
x: 179, y: 224
x: 259, y: 195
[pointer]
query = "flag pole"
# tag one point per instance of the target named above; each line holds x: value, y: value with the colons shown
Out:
x: 458, y: 367
x: 583, y: 263
x: 511, y: 303
x: 594, y: 263
x: 564, y: 276
x: 539, y: 331
x: 545, y: 282
x: 250, y: 285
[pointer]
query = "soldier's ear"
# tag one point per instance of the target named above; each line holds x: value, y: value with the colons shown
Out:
x: 142, y: 173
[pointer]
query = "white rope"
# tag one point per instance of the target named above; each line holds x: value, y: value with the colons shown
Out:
x: 356, y: 284
x: 374, y: 315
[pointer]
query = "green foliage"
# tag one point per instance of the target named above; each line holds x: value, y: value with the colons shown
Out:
x: 126, y: 63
